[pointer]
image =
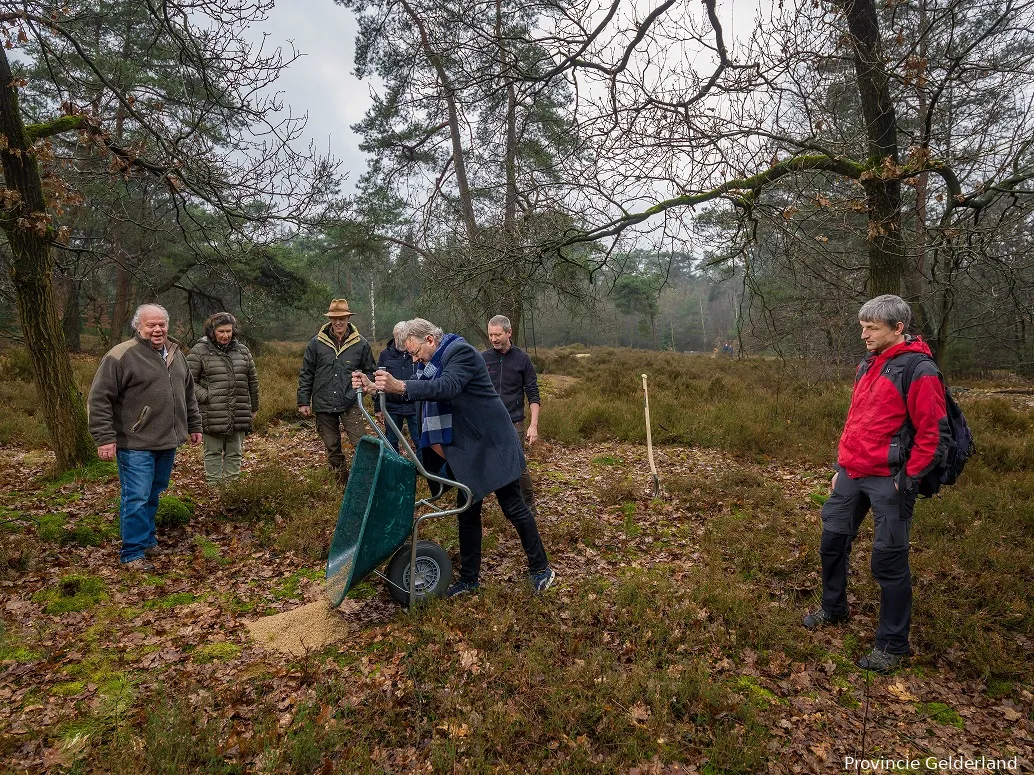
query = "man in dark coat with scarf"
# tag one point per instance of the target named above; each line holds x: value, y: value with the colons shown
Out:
x: 464, y: 421
x: 325, y: 383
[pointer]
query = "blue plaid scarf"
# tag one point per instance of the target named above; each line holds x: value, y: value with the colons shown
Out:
x: 436, y: 425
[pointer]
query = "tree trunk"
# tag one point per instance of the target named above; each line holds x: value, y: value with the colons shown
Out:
x: 887, y: 259
x: 123, y: 290
x: 916, y: 281
x: 26, y: 225
x: 947, y: 306
x: 373, y: 312
x: 513, y: 301
x: 459, y: 165
x: 72, y: 317
x: 510, y: 153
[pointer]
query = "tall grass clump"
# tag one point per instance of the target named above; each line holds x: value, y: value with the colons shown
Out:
x: 293, y: 511
x: 278, y: 367
x: 972, y: 570
x: 750, y: 406
x: 615, y: 682
x: 172, y: 738
x: 759, y: 547
x: 22, y: 423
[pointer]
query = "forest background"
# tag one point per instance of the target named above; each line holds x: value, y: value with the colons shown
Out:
x: 606, y: 174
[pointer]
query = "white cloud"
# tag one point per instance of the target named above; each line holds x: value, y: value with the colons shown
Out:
x: 320, y: 82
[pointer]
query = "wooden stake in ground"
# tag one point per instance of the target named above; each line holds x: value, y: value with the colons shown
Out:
x: 649, y: 441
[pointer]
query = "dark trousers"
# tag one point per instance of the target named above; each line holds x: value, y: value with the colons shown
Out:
x: 520, y: 516
x: 403, y: 420
x: 842, y: 515
x: 527, y: 490
x: 329, y: 426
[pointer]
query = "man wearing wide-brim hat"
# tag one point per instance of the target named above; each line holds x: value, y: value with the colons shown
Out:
x: 325, y: 383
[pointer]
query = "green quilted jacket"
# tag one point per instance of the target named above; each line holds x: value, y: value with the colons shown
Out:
x: 226, y: 385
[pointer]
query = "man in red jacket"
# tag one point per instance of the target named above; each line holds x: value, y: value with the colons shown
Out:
x: 890, y: 440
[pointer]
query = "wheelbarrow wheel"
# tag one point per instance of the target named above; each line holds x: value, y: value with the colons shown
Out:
x: 434, y: 572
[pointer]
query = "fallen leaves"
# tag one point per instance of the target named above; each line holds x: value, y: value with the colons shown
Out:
x: 454, y: 730
x: 639, y: 713
x: 815, y: 711
x: 899, y: 692
x: 1009, y: 713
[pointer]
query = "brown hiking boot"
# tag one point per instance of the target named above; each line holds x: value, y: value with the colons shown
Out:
x: 140, y: 564
x: 342, y: 477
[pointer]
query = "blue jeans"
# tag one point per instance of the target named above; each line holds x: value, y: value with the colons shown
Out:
x: 400, y: 420
x: 143, y: 475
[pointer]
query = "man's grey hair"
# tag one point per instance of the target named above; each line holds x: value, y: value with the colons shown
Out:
x: 502, y: 321
x: 144, y: 308
x: 888, y: 308
x: 396, y: 332
x: 418, y: 328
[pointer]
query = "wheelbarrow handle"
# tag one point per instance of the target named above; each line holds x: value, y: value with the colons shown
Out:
x: 371, y: 421
x: 412, y: 455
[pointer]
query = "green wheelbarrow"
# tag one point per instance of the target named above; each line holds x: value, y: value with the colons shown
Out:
x: 379, y: 515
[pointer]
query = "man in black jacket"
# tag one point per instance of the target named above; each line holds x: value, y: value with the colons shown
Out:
x: 325, y: 383
x: 396, y: 361
x: 513, y: 375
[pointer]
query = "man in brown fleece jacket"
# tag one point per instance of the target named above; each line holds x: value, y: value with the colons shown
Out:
x: 142, y: 407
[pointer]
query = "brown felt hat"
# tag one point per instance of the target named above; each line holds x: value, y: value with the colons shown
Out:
x: 338, y: 309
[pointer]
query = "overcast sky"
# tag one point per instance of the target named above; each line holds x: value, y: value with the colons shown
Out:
x: 320, y: 82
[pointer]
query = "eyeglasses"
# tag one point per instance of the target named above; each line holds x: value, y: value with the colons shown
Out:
x: 415, y: 353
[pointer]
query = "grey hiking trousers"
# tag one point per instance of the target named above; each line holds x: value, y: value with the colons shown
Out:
x: 842, y: 515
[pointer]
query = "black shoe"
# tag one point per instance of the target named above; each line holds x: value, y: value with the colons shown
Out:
x: 542, y: 580
x: 462, y: 587
x: 879, y: 661
x: 822, y: 617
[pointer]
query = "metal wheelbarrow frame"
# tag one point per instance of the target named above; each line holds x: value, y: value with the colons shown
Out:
x: 378, y: 515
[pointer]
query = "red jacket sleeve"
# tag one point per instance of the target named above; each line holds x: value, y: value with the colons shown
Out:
x: 929, y: 416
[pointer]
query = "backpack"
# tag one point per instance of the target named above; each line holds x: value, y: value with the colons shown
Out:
x: 960, y: 442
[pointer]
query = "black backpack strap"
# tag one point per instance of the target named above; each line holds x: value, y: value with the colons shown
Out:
x: 914, y: 359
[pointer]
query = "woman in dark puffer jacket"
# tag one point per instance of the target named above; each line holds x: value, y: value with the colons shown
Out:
x: 226, y: 386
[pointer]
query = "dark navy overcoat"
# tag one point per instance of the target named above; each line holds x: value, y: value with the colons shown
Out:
x: 485, y: 453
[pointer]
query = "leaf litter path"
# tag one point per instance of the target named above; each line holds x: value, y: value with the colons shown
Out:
x: 188, y: 627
